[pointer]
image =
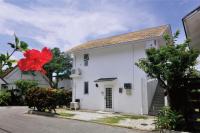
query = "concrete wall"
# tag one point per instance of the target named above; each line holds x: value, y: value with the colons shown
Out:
x: 151, y: 88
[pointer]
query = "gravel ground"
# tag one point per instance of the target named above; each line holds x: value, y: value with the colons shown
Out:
x: 143, y: 124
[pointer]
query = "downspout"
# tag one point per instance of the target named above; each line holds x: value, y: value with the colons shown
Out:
x: 74, y: 81
x: 141, y: 103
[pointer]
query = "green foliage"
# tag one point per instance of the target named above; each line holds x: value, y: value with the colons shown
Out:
x: 60, y: 65
x: 6, y: 60
x: 170, y: 64
x: 63, y: 97
x: 5, y: 97
x: 25, y: 85
x: 18, y: 45
x: 168, y: 119
x: 46, y: 98
x: 116, y: 119
x: 66, y: 115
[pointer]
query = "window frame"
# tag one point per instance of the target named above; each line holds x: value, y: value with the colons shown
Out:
x: 86, y: 59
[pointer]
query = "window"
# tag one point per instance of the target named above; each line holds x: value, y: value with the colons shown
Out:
x: 4, y: 86
x: 86, y: 88
x: 86, y: 59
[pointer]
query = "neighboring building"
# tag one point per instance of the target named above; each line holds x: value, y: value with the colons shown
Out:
x: 191, y: 23
x: 105, y: 76
x: 65, y: 84
x: 2, y: 82
x: 15, y: 74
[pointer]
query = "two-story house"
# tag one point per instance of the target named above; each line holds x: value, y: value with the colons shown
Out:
x: 105, y: 76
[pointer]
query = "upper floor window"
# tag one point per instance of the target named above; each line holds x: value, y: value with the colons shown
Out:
x: 86, y: 59
x: 86, y: 88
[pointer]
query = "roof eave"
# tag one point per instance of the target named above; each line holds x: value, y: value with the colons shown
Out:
x: 128, y: 42
x: 168, y: 27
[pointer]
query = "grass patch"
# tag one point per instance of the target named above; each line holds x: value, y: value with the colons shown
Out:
x: 134, y: 117
x: 116, y: 119
x: 63, y: 114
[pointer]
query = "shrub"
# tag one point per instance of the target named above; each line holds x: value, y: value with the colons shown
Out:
x: 46, y: 98
x: 25, y: 85
x: 168, y: 119
x: 63, y: 97
x: 5, y: 97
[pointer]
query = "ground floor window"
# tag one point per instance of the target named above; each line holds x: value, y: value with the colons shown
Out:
x: 4, y: 86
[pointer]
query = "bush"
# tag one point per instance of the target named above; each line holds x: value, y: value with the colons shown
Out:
x: 168, y: 119
x: 63, y: 97
x: 5, y: 97
x: 25, y: 85
x: 46, y: 98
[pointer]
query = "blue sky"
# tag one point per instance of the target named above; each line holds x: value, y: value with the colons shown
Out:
x: 66, y: 23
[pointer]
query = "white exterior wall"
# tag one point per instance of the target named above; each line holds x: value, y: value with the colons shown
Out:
x: 1, y: 81
x: 114, y: 61
x: 16, y: 74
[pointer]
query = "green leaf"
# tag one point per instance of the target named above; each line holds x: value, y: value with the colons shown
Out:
x: 11, y: 45
x: 23, y: 45
x: 9, y: 64
x: 2, y: 57
x: 16, y: 40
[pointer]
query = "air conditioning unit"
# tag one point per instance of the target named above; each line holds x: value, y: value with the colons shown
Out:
x: 75, y: 73
x: 151, y: 44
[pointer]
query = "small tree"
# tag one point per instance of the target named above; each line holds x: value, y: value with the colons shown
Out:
x: 170, y: 64
x: 59, y: 67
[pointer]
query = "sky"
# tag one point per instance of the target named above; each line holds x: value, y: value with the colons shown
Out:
x: 67, y: 23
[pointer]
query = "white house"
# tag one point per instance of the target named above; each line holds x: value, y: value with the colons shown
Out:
x: 105, y: 76
x: 9, y: 78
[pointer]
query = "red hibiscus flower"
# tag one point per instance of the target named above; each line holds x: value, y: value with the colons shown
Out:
x: 35, y: 60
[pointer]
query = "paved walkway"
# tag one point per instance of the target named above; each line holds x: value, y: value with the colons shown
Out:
x: 13, y: 120
x: 141, y: 124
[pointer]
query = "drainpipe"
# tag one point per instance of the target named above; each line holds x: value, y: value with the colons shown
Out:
x: 142, y: 87
x: 165, y: 97
x: 74, y: 81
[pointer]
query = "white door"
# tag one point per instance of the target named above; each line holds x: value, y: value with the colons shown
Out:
x: 108, y: 99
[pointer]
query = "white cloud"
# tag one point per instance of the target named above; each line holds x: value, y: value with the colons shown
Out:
x: 71, y: 23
